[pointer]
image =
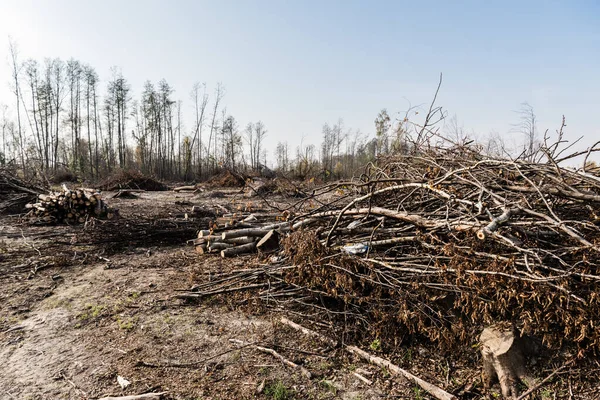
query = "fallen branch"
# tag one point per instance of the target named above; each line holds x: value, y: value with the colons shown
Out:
x: 145, y: 396
x: 430, y: 388
x: 308, y: 332
x: 284, y: 360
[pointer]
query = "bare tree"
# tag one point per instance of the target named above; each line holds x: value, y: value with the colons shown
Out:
x: 249, y: 135
x: 16, y: 69
x: 117, y: 102
x: 382, y: 126
x: 219, y: 93
x: 232, y: 141
x: 260, y: 132
x: 282, y: 155
x: 56, y: 78
x: 91, y: 82
x: 528, y: 127
x: 4, y: 127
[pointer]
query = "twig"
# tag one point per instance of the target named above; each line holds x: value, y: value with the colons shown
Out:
x: 284, y: 360
x: 546, y: 379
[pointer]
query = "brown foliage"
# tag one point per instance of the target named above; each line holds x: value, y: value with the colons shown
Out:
x: 226, y: 178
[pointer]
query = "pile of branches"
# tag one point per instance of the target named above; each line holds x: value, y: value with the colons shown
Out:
x: 69, y: 206
x: 227, y: 178
x: 14, y: 192
x: 439, y: 243
x: 132, y: 180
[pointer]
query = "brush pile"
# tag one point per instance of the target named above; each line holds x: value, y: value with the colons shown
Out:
x: 69, y: 206
x: 132, y: 180
x: 227, y: 178
x: 14, y: 192
x: 438, y: 244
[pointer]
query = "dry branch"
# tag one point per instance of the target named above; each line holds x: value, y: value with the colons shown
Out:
x: 272, y: 352
x: 145, y: 396
x: 433, y: 390
x: 308, y: 332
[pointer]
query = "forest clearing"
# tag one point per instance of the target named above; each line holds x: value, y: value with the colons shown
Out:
x: 375, y: 287
x: 308, y: 200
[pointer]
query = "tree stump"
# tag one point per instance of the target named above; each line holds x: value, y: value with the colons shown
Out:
x: 503, y: 358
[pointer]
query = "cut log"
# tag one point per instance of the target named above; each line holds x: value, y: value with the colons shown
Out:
x: 203, y: 233
x: 241, y: 240
x: 185, y: 188
x: 237, y: 250
x: 269, y: 243
x: 244, y: 232
x: 503, y: 358
x: 69, y: 206
x: 216, y: 246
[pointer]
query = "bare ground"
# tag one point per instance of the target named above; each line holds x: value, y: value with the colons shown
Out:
x: 78, y: 311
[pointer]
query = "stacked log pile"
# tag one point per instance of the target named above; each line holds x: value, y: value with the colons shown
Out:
x: 441, y: 243
x: 70, y: 206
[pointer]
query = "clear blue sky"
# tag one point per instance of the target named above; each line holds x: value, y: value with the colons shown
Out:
x: 298, y: 64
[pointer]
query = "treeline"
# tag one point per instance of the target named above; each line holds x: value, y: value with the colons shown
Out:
x: 65, y: 119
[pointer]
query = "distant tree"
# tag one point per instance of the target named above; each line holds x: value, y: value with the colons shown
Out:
x: 306, y: 162
x: 282, y: 155
x: 117, y: 102
x: 212, y: 139
x: 16, y: 68
x: 74, y: 73
x: 528, y: 127
x: 260, y: 132
x: 382, y: 127
x: 232, y: 141
x: 199, y: 111
x: 4, y: 128
x: 91, y: 82
x: 55, y: 76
